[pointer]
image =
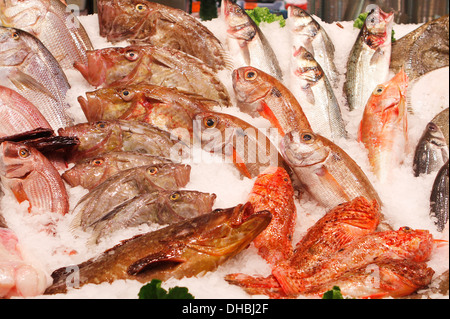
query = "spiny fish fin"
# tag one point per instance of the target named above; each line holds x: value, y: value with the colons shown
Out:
x: 23, y: 82
x: 171, y: 256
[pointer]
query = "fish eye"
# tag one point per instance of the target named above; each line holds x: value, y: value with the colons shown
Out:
x: 175, y: 196
x: 378, y: 90
x: 406, y: 229
x: 131, y: 55
x: 126, y: 95
x: 250, y: 75
x: 101, y: 125
x: 152, y: 170
x: 210, y: 122
x: 97, y: 162
x: 24, y: 153
x: 15, y: 35
x: 141, y: 7
x: 307, y: 137
x: 432, y: 127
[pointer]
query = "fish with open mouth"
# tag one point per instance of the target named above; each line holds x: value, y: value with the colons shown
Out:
x: 184, y: 249
x: 146, y: 22
x: 134, y: 64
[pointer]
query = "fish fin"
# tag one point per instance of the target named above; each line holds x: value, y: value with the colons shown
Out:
x: 245, y: 52
x: 23, y: 82
x: 267, y: 113
x: 328, y: 179
x: 378, y: 295
x: 309, y: 94
x: 239, y: 163
x: 376, y: 56
x: 169, y: 257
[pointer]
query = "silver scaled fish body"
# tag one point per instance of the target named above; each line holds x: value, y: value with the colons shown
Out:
x: 439, y: 204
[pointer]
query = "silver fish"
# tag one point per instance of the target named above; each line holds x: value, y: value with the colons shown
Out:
x: 245, y: 35
x: 53, y: 23
x: 316, y: 95
x: 31, y: 70
x: 439, y: 204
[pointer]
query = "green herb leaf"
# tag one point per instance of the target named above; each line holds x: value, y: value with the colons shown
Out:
x: 334, y: 293
x: 153, y: 290
x: 263, y: 14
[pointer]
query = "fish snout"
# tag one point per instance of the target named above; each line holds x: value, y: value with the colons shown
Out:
x: 71, y: 177
x: 182, y: 175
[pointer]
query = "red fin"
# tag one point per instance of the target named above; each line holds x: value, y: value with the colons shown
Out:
x: 239, y: 163
x: 267, y: 113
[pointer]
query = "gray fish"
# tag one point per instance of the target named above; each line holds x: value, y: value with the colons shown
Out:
x: 31, y: 70
x: 163, y: 207
x: 432, y: 150
x: 422, y: 50
x: 53, y: 23
x: 126, y: 185
x: 184, y: 249
x: 439, y: 204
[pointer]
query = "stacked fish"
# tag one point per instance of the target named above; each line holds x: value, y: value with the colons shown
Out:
x: 161, y: 97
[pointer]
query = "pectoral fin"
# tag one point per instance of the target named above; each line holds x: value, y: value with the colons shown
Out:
x: 23, y: 82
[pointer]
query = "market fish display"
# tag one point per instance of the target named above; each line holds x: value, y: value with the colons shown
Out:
x: 126, y: 185
x: 53, y: 24
x: 90, y: 172
x: 439, y: 199
x: 422, y: 50
x: 163, y: 207
x: 32, y: 177
x: 31, y: 70
x: 17, y: 114
x: 184, y: 249
x: 260, y: 94
x: 146, y: 22
x: 384, y: 126
x: 316, y: 95
x: 246, y: 40
x: 120, y: 135
x: 432, y: 150
x: 307, y: 32
x: 134, y: 64
x: 368, y: 63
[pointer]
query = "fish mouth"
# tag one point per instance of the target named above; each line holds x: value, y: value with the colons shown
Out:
x: 71, y: 178
x: 95, y: 70
x: 182, y: 175
x: 92, y: 107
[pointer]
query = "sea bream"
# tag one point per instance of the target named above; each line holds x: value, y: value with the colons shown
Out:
x: 306, y: 32
x: 247, y: 41
x: 185, y: 249
x: 146, y: 22
x: 316, y: 94
x: 368, y: 62
x: 31, y: 70
x: 134, y: 64
x: 53, y: 23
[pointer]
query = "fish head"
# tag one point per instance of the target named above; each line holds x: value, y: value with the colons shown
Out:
x: 274, y: 179
x: 22, y: 14
x: 188, y: 203
x: 115, y: 66
x: 95, y: 168
x: 18, y: 160
x: 377, y: 27
x: 13, y: 46
x: 304, y: 148
x: 301, y: 22
x: 214, y: 130
x: 119, y: 19
x: 306, y: 67
x: 413, y: 244
x: 251, y: 84
x: 240, y: 25
x: 168, y: 176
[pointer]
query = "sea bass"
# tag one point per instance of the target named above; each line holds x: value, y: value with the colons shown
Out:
x: 31, y: 176
x: 307, y: 32
x: 31, y: 70
x: 439, y: 203
x: 90, y: 172
x: 120, y: 135
x: 126, y: 185
x: 17, y: 114
x: 247, y: 41
x: 368, y: 63
x: 184, y: 249
x: 432, y: 150
x: 145, y: 22
x: 316, y: 95
x: 422, y: 50
x: 51, y: 22
x: 260, y: 94
x: 163, y: 207
x: 136, y: 64
x: 384, y: 126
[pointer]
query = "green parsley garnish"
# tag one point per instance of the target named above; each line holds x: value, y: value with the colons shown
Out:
x: 153, y: 290
x: 334, y: 293
x: 262, y: 14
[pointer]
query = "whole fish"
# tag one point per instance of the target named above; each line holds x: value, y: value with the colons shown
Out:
x: 161, y: 207
x: 136, y: 64
x: 237, y: 142
x: 331, y: 233
x: 260, y: 94
x: 160, y: 25
x: 166, y: 108
x: 384, y: 126
x: 273, y: 191
x: 306, y: 32
x: 247, y: 41
x: 90, y: 172
x: 31, y: 176
x: 368, y: 63
x: 31, y: 70
x: 53, y: 23
x: 17, y: 114
x: 184, y: 249
x: 120, y: 135
x: 126, y: 185
x: 432, y: 150
x: 403, y: 244
x: 326, y: 171
x: 439, y: 203
x: 316, y: 95
x: 422, y: 50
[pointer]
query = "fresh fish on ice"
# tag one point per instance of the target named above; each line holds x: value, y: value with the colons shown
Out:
x: 439, y: 203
